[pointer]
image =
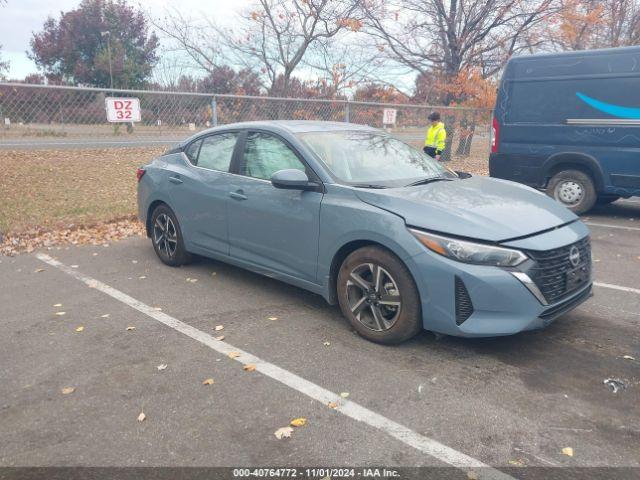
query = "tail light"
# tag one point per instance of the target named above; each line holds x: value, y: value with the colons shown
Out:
x: 495, y: 135
x: 140, y: 173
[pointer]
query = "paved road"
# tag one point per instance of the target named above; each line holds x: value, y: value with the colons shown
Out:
x: 503, y: 401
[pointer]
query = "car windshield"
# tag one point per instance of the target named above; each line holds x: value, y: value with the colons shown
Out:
x: 372, y: 158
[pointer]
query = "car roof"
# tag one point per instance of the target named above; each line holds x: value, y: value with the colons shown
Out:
x: 288, y: 126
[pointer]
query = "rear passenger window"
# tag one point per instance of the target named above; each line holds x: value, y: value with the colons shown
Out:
x: 213, y: 152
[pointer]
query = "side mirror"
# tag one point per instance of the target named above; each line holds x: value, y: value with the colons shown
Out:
x: 463, y: 174
x: 292, y: 179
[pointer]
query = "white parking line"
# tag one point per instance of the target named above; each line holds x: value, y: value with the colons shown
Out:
x: 348, y: 408
x: 608, y: 225
x: 617, y: 287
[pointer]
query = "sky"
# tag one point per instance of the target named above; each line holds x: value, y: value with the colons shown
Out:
x: 20, y: 18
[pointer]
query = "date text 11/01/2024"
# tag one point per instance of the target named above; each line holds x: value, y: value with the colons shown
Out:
x: 319, y: 473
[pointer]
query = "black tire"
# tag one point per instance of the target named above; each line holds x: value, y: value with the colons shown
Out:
x: 171, y: 253
x: 574, y: 189
x: 392, y: 323
x: 607, y: 199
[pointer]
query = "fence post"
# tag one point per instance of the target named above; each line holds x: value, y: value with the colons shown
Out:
x: 214, y: 112
x: 346, y: 111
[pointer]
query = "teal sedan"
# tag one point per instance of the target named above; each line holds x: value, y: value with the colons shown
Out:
x: 351, y: 213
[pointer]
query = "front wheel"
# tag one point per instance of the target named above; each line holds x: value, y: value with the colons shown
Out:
x: 167, y: 237
x: 574, y: 189
x: 377, y: 294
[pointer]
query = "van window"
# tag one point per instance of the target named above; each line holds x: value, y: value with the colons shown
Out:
x: 555, y: 101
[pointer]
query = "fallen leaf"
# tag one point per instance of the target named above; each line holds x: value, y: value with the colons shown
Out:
x: 57, y: 305
x: 472, y: 475
x: 157, y: 309
x: 517, y: 462
x: 326, y: 344
x: 568, y: 451
x: 130, y: 328
x: 273, y: 318
x: 234, y: 354
x: 68, y: 390
x: 142, y: 417
x: 208, y: 381
x: 80, y: 328
x: 629, y: 357
x: 332, y: 405
x: 162, y: 366
x: 60, y: 313
x: 298, y: 422
x: 106, y: 315
x: 38, y: 270
x: 220, y: 338
x: 218, y: 328
x: 249, y: 367
x: 344, y: 394
x: 284, y: 432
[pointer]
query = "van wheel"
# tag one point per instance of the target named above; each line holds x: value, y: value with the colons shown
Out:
x: 378, y: 296
x: 574, y: 189
x: 607, y: 199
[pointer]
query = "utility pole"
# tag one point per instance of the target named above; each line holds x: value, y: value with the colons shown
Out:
x: 108, y: 35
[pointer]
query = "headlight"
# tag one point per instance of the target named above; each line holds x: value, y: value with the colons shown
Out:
x: 470, y: 252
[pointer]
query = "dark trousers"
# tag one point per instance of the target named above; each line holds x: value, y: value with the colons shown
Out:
x: 431, y: 151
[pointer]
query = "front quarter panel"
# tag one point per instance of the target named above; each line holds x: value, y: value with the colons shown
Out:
x: 344, y: 218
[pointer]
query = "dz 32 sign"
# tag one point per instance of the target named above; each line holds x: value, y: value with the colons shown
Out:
x: 122, y: 109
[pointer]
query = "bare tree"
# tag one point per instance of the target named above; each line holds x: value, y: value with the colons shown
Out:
x: 194, y: 36
x: 449, y: 36
x: 586, y: 24
x: 344, y: 62
x: 271, y: 36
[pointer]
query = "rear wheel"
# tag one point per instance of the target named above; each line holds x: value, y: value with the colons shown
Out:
x: 167, y: 237
x: 574, y: 189
x: 378, y: 296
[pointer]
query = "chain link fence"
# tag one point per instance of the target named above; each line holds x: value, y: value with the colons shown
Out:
x: 33, y: 115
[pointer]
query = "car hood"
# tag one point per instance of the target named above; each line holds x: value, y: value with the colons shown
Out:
x: 477, y: 207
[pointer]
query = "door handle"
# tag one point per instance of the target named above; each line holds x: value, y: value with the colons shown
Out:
x: 176, y: 180
x: 239, y: 195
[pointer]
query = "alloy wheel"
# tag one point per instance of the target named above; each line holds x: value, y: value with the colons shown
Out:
x: 165, y: 235
x: 373, y: 297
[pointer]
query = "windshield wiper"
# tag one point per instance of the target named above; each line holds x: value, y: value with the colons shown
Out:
x: 367, y: 185
x: 424, y: 181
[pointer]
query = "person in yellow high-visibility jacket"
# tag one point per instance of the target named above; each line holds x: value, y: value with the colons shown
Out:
x: 435, y: 141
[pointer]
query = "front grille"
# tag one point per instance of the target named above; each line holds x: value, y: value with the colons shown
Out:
x: 562, y: 307
x: 550, y: 270
x: 464, y: 307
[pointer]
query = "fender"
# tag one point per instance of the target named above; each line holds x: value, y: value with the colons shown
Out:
x: 326, y: 271
x: 576, y: 158
x: 152, y: 202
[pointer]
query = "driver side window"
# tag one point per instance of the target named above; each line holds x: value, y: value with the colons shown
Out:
x: 265, y: 154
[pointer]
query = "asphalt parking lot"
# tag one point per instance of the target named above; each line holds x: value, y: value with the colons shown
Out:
x: 505, y: 402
